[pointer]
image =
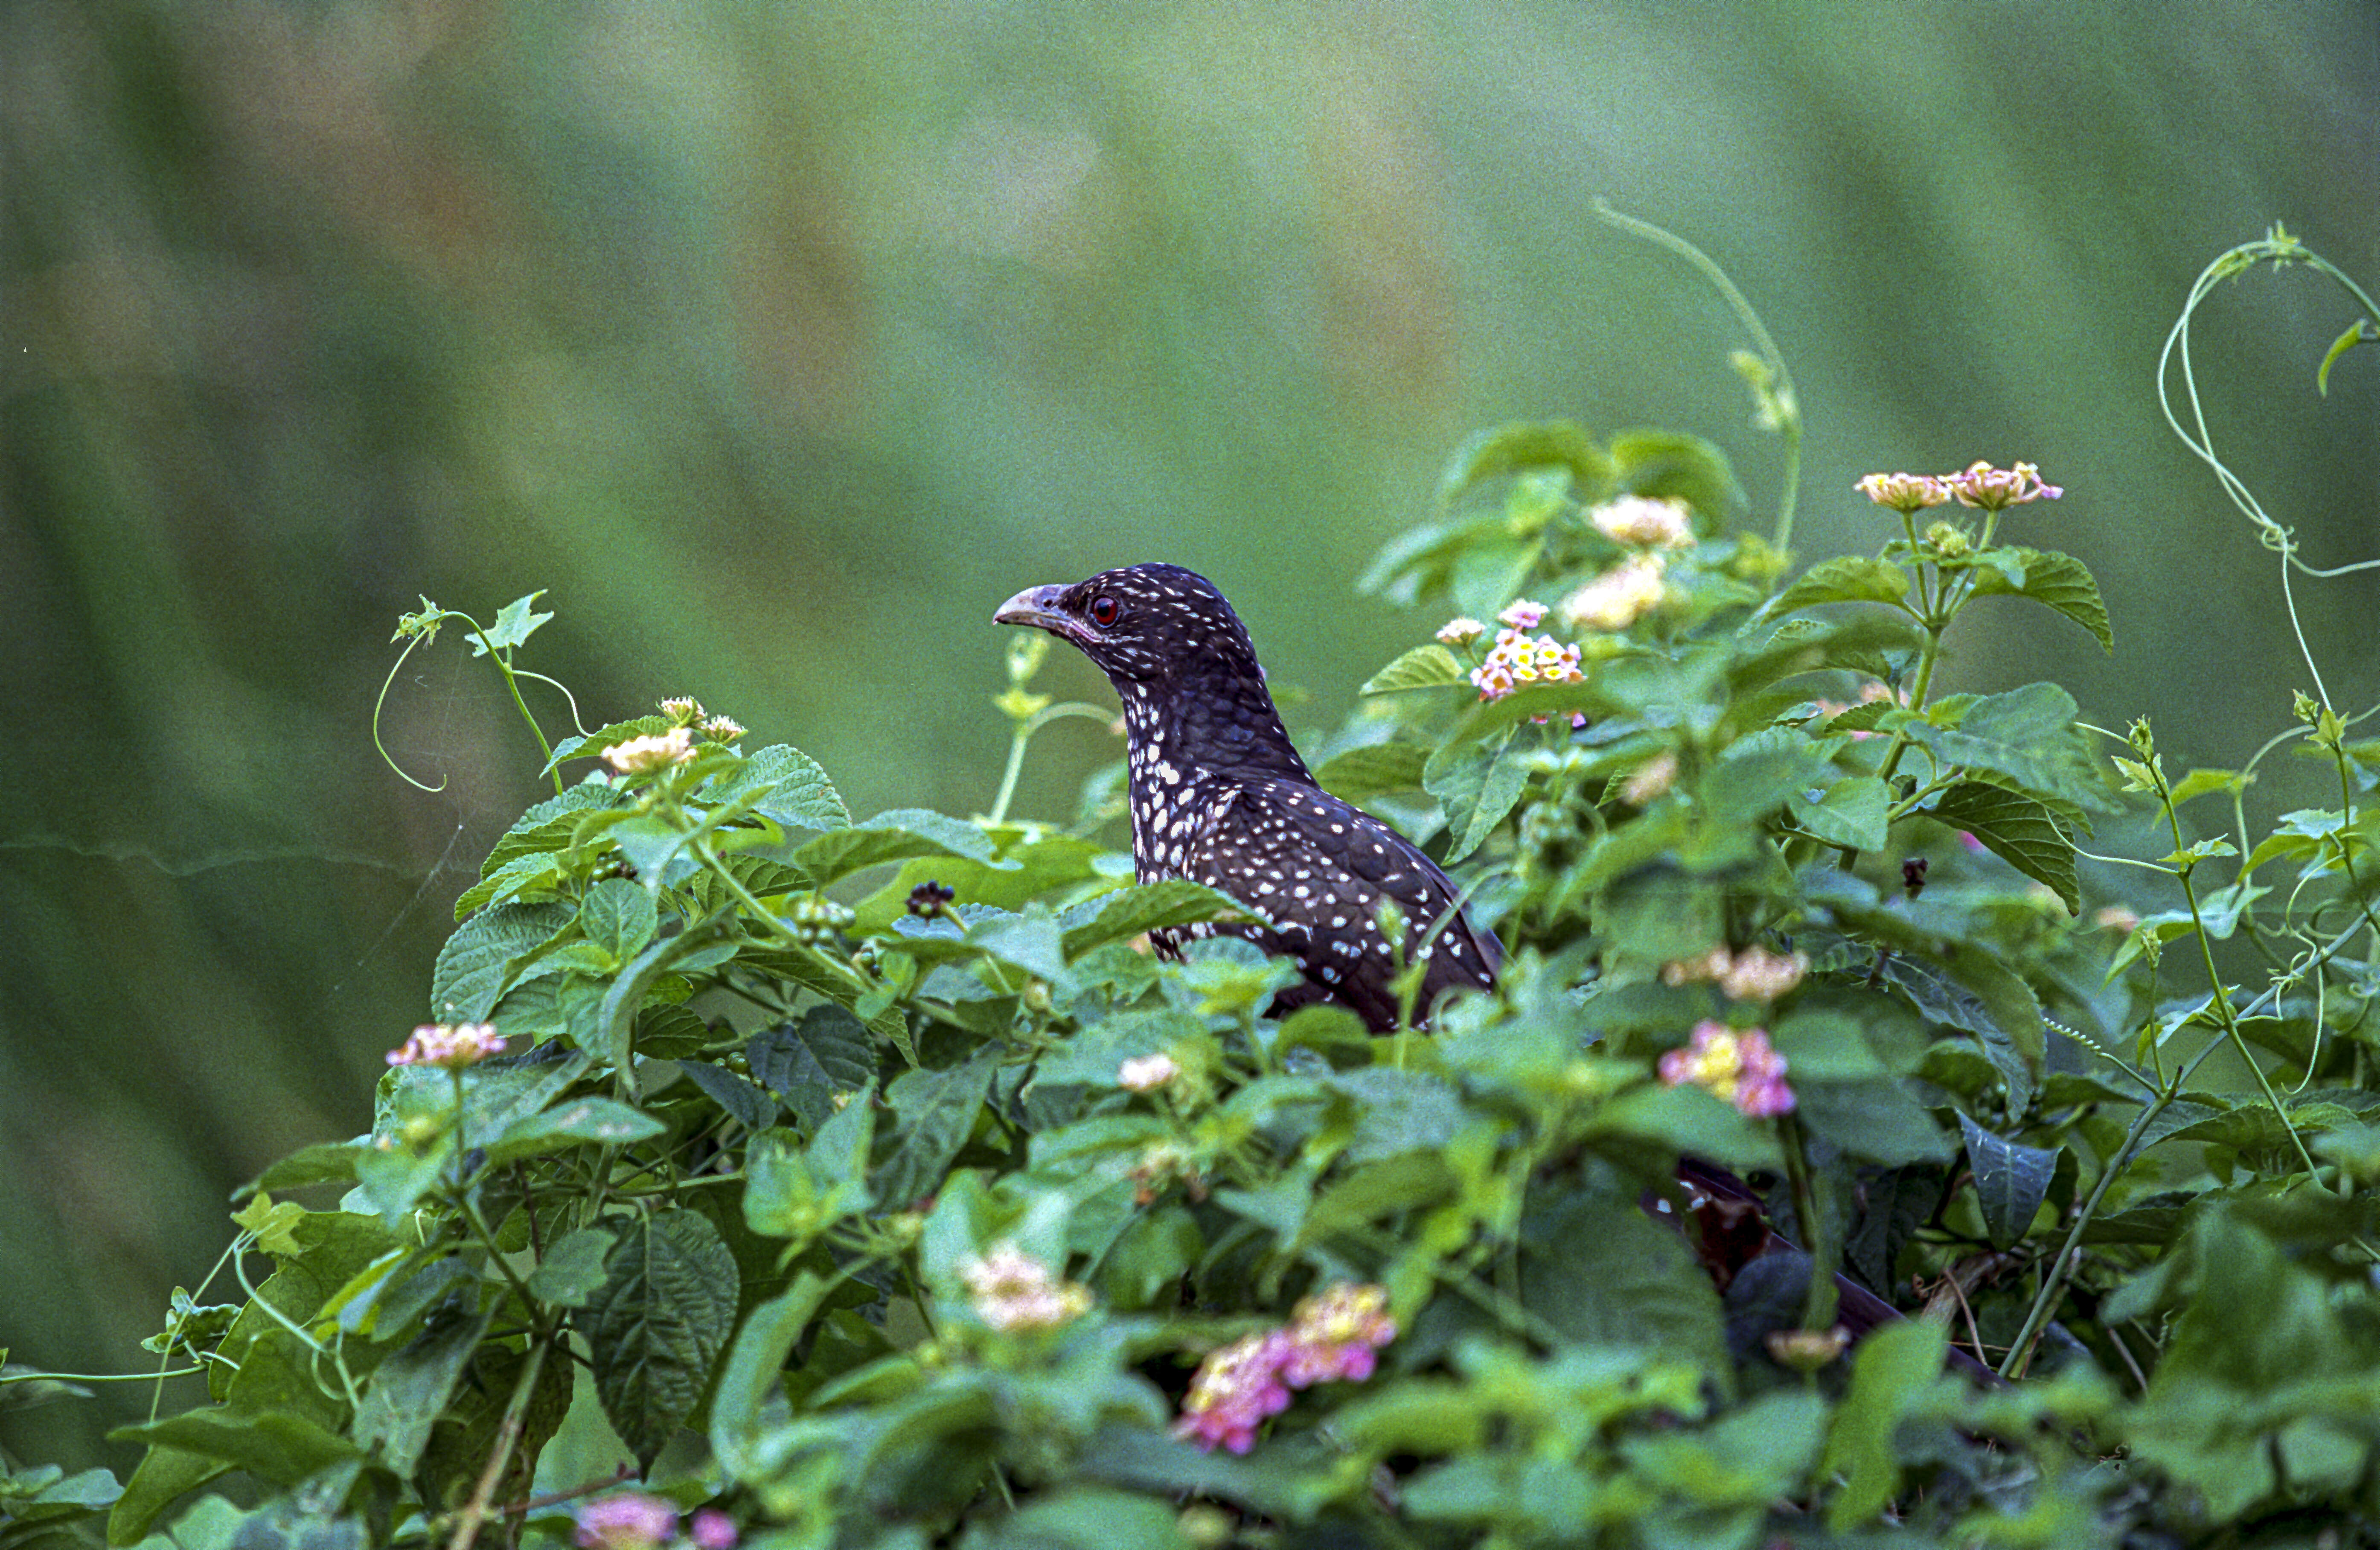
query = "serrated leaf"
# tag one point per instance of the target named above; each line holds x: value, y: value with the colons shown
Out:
x: 469, y: 976
x: 2011, y: 1180
x: 893, y: 836
x: 1128, y: 912
x: 574, y: 1268
x: 1895, y: 1366
x: 2026, y: 735
x: 658, y: 1323
x: 618, y: 917
x: 1424, y: 666
x: 1478, y: 784
x: 828, y: 1049
x: 1849, y: 578
x: 522, y: 874
x: 1852, y: 812
x: 548, y: 826
x: 2017, y: 828
x: 577, y: 1122
x: 2057, y: 581
x: 937, y: 1111
x: 514, y: 623
x: 1029, y: 939
x: 797, y: 792
x: 1358, y: 773
x: 409, y: 1390
x: 1518, y: 447
x: 748, y: 1104
x: 603, y: 737
x: 329, y: 1162
x: 768, y: 1337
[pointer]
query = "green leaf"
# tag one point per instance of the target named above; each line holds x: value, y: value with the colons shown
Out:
x: 1424, y: 666
x: 1895, y: 1367
x: 408, y: 1392
x: 1850, y: 579
x: 1852, y: 812
x: 1128, y: 912
x: 2011, y: 1180
x: 325, y: 1162
x: 658, y: 1323
x: 1031, y: 940
x: 748, y: 1104
x: 574, y: 1268
x: 577, y: 1122
x: 272, y: 1445
x: 616, y: 1016
x: 2060, y: 582
x: 2360, y: 332
x: 1359, y: 773
x: 2026, y: 735
x: 768, y: 1337
x: 792, y: 790
x: 549, y: 826
x: 892, y: 836
x: 618, y: 917
x: 513, y: 624
x: 535, y: 875
x: 1477, y: 783
x: 937, y: 1111
x: 1519, y: 447
x: 470, y: 975
x: 1673, y: 463
x: 2018, y: 828
x: 806, y: 1063
x: 1599, y: 1270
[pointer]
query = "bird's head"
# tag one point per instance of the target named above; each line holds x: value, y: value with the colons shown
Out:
x: 1143, y: 624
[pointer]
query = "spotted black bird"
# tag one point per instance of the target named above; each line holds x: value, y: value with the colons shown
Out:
x: 1219, y: 796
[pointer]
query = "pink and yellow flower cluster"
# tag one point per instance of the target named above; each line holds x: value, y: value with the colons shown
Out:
x: 1012, y: 1291
x: 1978, y: 485
x: 1737, y: 1067
x: 1331, y: 1338
x: 450, y: 1047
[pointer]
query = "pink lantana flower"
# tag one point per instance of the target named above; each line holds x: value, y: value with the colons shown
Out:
x: 1905, y: 493
x: 1740, y: 1069
x: 1990, y: 489
x: 449, y: 1047
x: 631, y: 1520
x: 1236, y: 1390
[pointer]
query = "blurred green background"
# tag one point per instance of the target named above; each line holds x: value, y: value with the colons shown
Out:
x: 781, y: 341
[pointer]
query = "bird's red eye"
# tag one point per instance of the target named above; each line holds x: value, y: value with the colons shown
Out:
x: 1104, y: 611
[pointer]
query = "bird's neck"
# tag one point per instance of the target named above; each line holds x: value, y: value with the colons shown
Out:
x: 1198, y: 727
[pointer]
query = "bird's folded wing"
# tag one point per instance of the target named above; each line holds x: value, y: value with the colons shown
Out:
x: 1320, y: 870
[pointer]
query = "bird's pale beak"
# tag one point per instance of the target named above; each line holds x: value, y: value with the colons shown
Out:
x: 1038, y: 606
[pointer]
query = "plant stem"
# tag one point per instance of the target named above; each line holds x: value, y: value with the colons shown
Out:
x: 467, y: 1530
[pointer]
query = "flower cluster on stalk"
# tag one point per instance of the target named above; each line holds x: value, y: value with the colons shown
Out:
x: 1517, y: 659
x: 1978, y: 485
x: 1332, y: 1336
x: 1619, y: 596
x: 1642, y: 522
x: 642, y: 755
x: 1737, y: 1067
x: 633, y: 1520
x: 1754, y: 974
x: 450, y: 1047
x: 1012, y: 1291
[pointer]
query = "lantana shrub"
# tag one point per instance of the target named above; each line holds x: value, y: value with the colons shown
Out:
x: 767, y: 1177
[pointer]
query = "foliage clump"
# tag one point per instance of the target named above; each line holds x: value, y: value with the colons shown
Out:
x: 766, y: 1176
